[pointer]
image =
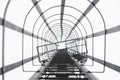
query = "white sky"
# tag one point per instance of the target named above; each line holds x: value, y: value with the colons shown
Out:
x: 16, y: 15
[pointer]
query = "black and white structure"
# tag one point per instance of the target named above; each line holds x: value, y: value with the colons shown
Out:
x: 59, y: 40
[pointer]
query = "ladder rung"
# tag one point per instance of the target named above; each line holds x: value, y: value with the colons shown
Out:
x: 64, y: 78
x: 62, y: 74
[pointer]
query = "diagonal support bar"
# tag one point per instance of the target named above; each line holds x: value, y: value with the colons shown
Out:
x: 18, y: 29
x: 61, y: 16
x: 43, y: 17
x: 17, y: 64
x: 107, y: 64
x: 108, y: 31
x: 100, y: 33
x: 93, y: 3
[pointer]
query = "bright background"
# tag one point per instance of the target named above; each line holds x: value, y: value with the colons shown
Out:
x: 13, y: 40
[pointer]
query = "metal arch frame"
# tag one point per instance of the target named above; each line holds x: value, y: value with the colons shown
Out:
x: 23, y: 38
x: 74, y: 18
x: 92, y: 4
x: 108, y: 31
x: 57, y: 24
x: 23, y: 41
x: 33, y: 42
x: 35, y: 2
x: 18, y: 29
x: 111, y: 30
x: 70, y: 22
x: 48, y: 18
x: 69, y: 25
x: 58, y: 6
x: 85, y: 13
x: 53, y: 30
x: 108, y: 64
x: 32, y: 37
x: 88, y: 65
x: 62, y: 41
x: 45, y: 45
x: 104, y: 34
x: 91, y: 29
x: 10, y: 67
x: 66, y: 20
x: 39, y: 54
x: 49, y: 36
x: 86, y: 36
x: 58, y: 42
x: 63, y: 25
x: 39, y: 29
x: 92, y: 54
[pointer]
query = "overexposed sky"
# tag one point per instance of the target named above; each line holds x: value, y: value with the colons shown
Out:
x: 17, y: 11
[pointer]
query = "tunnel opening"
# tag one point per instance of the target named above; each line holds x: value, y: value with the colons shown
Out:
x: 58, y: 39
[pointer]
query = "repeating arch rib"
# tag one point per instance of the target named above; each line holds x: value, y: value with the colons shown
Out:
x: 43, y: 17
x: 19, y: 29
x: 92, y: 4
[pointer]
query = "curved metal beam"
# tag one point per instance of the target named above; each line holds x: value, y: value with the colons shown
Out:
x: 93, y: 3
x: 42, y: 16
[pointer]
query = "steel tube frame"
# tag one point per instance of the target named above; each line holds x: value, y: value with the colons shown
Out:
x: 107, y: 64
x: 18, y: 29
x: 42, y: 16
x: 41, y: 70
x: 61, y: 16
x: 108, y: 31
x: 17, y: 64
x: 111, y: 30
x: 92, y: 4
x: 90, y: 75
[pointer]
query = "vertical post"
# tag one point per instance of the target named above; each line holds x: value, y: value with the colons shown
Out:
x: 38, y: 53
x: 3, y: 48
x: 3, y: 40
x: 76, y: 45
x: 47, y: 52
